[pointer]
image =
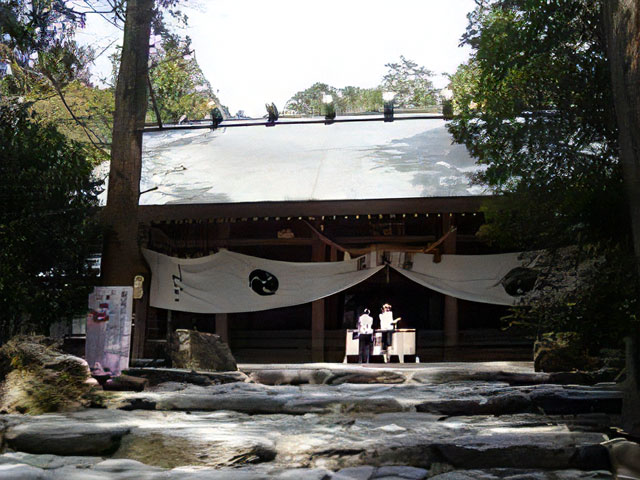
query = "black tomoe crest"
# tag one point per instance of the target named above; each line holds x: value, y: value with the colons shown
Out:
x: 263, y: 283
x: 519, y: 281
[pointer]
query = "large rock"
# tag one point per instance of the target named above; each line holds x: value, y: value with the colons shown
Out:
x: 39, y: 378
x: 201, y: 351
x: 499, y: 403
x: 126, y: 383
x: 163, y: 449
x: 163, y: 375
x: 561, y: 352
x: 511, y: 474
x: 329, y: 376
x: 48, y: 461
x: 68, y: 438
x: 625, y: 457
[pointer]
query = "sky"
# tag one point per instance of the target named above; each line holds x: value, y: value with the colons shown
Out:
x: 256, y: 51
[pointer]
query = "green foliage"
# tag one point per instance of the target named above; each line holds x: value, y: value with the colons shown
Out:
x: 178, y: 82
x: 51, y: 70
x: 47, y: 224
x: 355, y: 99
x: 92, y: 106
x: 590, y: 291
x: 534, y: 105
x: 179, y: 86
x: 410, y: 82
x: 309, y: 101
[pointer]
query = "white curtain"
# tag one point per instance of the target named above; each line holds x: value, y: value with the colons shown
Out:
x: 477, y: 278
x: 229, y: 282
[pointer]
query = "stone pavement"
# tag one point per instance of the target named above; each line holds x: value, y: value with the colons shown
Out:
x: 461, y: 421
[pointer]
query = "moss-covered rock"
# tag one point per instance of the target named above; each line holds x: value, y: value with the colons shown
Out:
x: 201, y: 351
x: 562, y: 352
x: 38, y: 378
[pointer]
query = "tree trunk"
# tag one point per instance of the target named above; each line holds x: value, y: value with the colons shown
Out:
x: 121, y: 259
x: 622, y: 29
x: 121, y: 254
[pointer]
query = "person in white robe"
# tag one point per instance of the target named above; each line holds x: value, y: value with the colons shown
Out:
x: 365, y: 336
x: 387, y: 325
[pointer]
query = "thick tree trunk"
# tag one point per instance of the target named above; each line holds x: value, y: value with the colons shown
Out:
x: 121, y: 259
x: 121, y: 255
x: 622, y: 28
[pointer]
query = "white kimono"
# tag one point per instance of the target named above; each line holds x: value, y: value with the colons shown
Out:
x: 386, y: 321
x: 365, y: 324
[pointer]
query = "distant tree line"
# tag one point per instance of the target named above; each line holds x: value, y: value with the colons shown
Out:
x: 412, y: 85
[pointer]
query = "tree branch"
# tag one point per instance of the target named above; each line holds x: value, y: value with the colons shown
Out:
x: 79, y: 122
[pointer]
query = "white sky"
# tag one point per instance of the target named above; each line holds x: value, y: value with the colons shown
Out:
x: 256, y: 51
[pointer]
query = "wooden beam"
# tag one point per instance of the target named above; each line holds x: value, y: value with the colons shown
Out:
x: 416, y: 239
x: 396, y: 239
x: 324, y: 239
x: 259, y: 242
x: 222, y: 326
x: 295, y: 209
x: 355, y: 245
x: 451, y: 327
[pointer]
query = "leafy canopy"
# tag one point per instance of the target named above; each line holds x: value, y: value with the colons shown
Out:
x: 47, y: 223
x: 179, y: 85
x: 534, y: 105
x: 411, y: 83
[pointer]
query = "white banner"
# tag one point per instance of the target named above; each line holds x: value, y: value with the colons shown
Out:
x: 478, y: 278
x: 229, y: 282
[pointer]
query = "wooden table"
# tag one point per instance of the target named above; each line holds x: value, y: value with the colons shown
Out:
x: 403, y: 342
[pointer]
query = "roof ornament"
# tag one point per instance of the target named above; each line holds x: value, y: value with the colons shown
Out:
x: 272, y: 114
x: 388, y: 105
x: 216, y: 118
x: 329, y: 109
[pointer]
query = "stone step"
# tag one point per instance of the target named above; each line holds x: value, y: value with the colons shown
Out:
x: 156, y: 376
x: 334, y: 441
x: 465, y: 398
x: 14, y: 467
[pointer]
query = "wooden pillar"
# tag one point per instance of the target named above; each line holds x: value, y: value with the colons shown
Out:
x: 631, y: 389
x: 450, y: 321
x: 140, y: 311
x: 169, y: 325
x: 451, y: 336
x: 139, y: 327
x: 317, y: 311
x: 332, y: 307
x: 222, y: 326
x: 223, y: 232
